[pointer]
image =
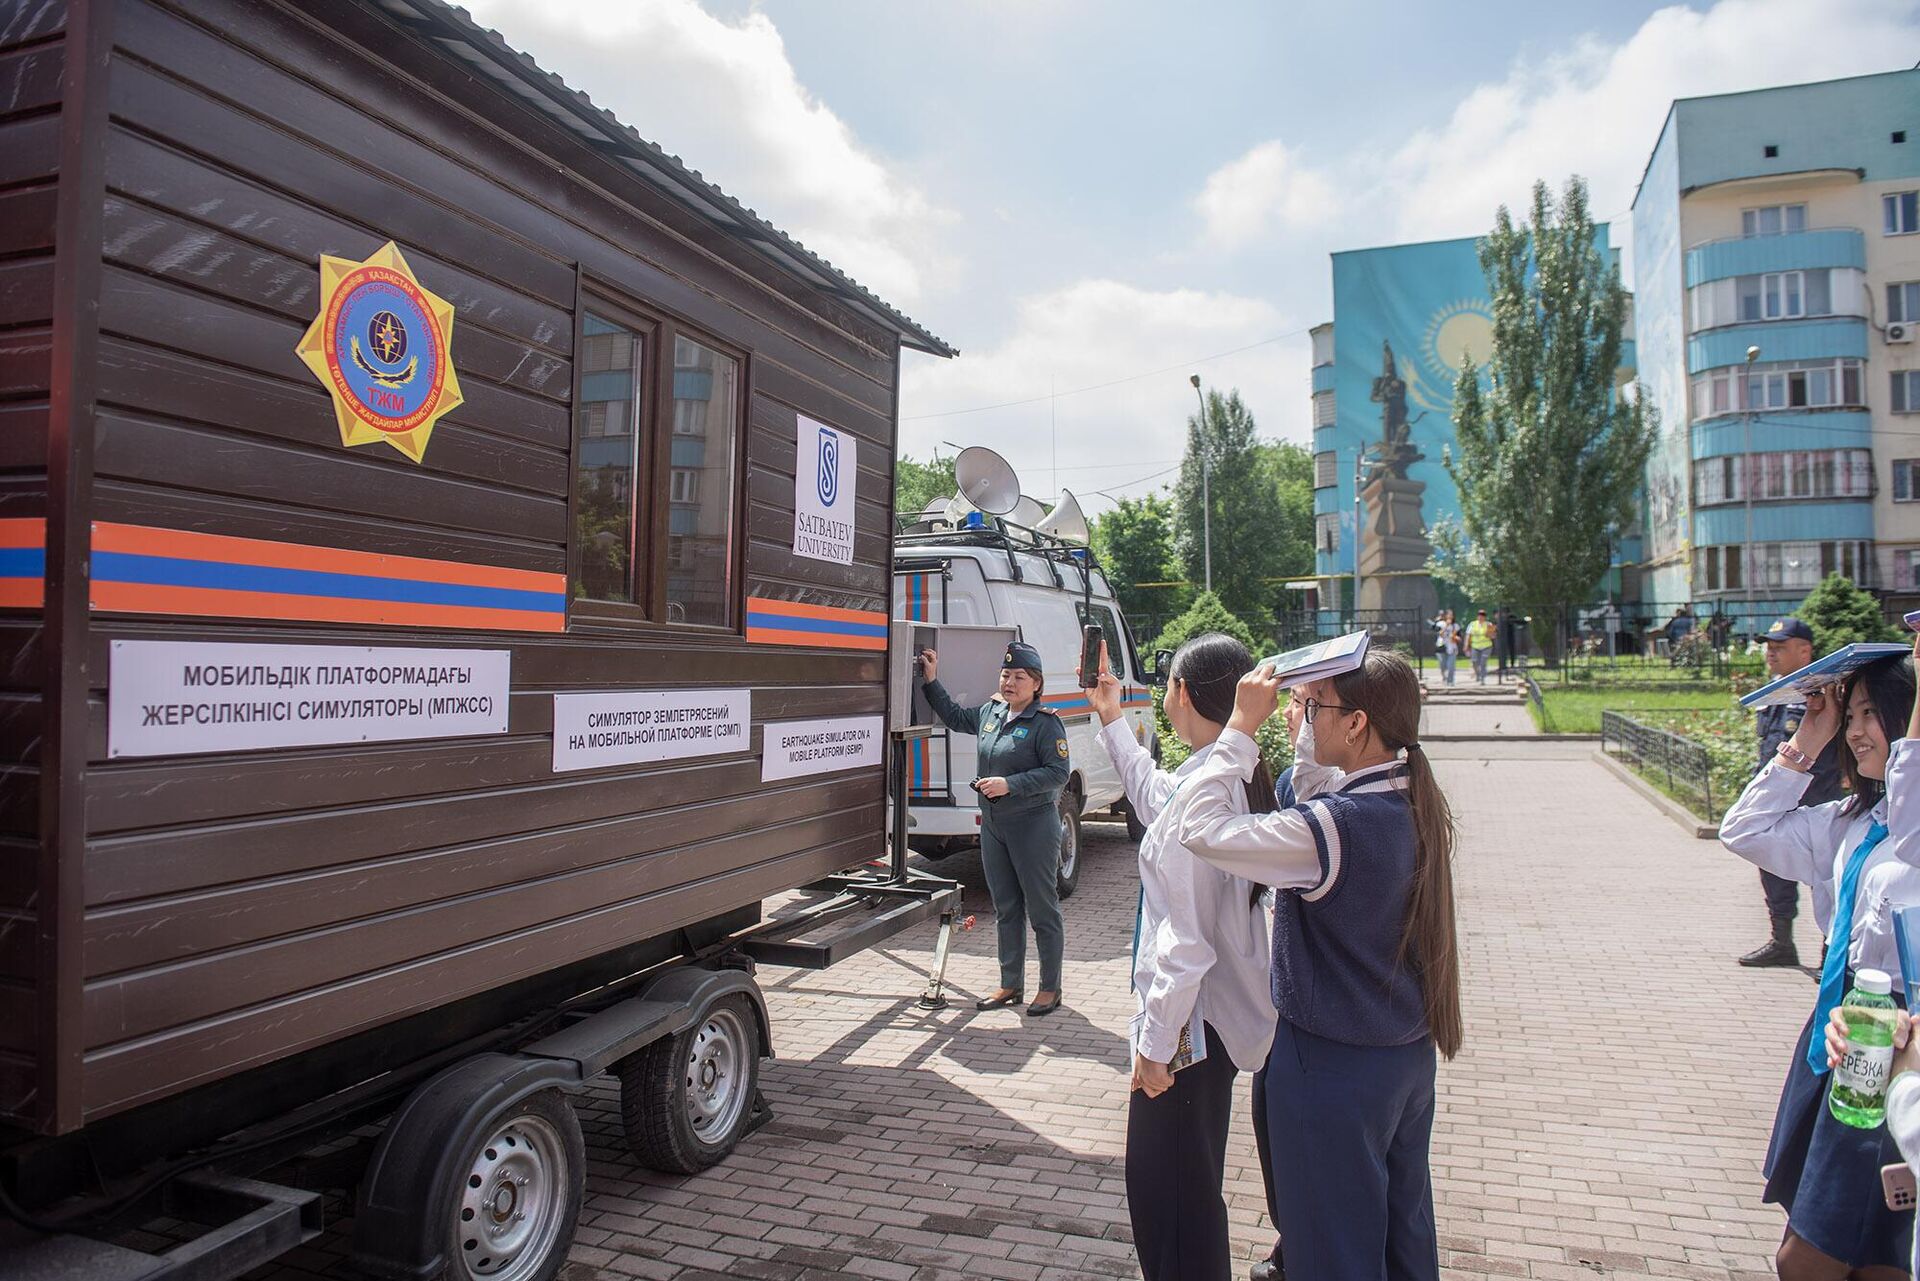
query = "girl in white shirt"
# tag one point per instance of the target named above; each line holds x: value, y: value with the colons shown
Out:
x: 1858, y: 854
x: 1200, y: 976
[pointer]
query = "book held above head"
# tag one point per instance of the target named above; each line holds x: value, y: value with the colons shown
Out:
x: 1819, y: 674
x: 1335, y: 657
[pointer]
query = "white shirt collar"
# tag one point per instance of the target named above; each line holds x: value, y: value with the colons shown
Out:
x: 1388, y: 776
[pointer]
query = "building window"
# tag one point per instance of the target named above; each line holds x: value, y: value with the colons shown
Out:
x: 706, y: 414
x: 1906, y: 391
x: 1813, y: 473
x: 1795, y: 384
x: 1323, y: 409
x: 1773, y: 220
x: 1777, y: 295
x: 1325, y: 470
x: 608, y: 498
x: 1903, y: 300
x: 1906, y: 480
x: 1900, y: 212
x: 1904, y: 560
x: 1790, y: 567
x: 1326, y: 532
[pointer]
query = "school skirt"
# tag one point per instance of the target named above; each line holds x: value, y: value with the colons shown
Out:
x: 1827, y: 1173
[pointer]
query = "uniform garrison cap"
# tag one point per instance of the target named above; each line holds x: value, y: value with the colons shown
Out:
x: 1788, y: 629
x: 1021, y: 654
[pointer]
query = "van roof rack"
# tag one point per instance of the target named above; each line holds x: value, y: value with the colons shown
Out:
x: 1004, y: 535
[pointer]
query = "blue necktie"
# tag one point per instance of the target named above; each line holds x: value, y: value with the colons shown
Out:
x: 1833, y: 975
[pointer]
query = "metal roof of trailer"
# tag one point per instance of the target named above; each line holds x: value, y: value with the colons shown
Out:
x: 488, y: 54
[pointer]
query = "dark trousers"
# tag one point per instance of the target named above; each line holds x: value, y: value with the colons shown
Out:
x: 1350, y: 1128
x: 1176, y: 1161
x: 1021, y: 857
x: 1783, y: 896
x: 1264, y: 1143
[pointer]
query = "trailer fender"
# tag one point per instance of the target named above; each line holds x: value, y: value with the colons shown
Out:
x: 409, y: 1169
x: 695, y: 989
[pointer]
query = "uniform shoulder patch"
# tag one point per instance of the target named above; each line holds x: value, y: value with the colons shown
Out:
x: 1061, y: 744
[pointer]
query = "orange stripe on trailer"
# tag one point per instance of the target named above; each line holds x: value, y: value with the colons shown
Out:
x: 210, y: 602
x: 801, y: 609
x: 22, y: 593
x: 23, y: 531
x: 184, y: 544
x: 817, y: 640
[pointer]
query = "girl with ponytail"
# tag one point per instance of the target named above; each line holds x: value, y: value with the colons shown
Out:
x: 1199, y: 975
x: 1365, y: 976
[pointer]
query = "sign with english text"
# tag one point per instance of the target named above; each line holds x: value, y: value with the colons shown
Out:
x: 825, y: 459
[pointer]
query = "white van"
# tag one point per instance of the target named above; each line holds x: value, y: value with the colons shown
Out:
x: 1045, y: 590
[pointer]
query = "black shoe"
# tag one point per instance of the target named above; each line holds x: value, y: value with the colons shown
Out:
x: 1268, y: 1270
x: 1775, y: 953
x: 999, y: 1002
x: 1037, y: 1010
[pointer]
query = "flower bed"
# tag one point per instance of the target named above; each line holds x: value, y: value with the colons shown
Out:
x: 1727, y: 736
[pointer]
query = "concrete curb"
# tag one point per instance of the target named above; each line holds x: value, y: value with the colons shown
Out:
x: 1673, y: 809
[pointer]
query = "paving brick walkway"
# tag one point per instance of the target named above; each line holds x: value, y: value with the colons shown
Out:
x: 1606, y: 1118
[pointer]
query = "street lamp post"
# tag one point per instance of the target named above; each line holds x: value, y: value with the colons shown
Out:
x: 1206, y: 488
x: 1746, y: 477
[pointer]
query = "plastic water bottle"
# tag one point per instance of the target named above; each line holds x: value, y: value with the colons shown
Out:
x: 1859, y: 1095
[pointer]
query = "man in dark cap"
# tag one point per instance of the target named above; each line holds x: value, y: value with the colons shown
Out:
x: 1022, y: 766
x: 1789, y: 645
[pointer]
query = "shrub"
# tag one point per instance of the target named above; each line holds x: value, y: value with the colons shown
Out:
x: 1841, y: 614
x: 1207, y: 614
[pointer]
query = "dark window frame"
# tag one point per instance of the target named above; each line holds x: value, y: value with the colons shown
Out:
x: 658, y: 328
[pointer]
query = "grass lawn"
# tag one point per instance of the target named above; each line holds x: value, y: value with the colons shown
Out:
x: 1575, y: 710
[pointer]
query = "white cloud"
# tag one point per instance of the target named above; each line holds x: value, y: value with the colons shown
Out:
x: 1594, y: 108
x: 1096, y: 332
x: 726, y: 99
x: 1266, y: 190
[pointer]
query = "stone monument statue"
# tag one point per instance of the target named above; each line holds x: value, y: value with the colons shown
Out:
x: 1393, y: 535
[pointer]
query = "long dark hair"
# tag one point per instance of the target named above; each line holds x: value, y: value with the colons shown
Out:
x: 1889, y: 685
x: 1385, y: 688
x: 1210, y: 666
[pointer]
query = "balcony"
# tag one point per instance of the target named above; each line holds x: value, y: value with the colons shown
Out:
x: 1793, y: 251
x: 1815, y: 338
x: 1322, y: 378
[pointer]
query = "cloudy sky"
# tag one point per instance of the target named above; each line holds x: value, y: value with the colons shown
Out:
x: 1094, y: 198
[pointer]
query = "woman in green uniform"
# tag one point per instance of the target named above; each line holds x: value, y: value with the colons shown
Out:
x: 1022, y: 769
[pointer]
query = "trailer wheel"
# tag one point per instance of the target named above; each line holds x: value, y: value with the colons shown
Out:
x: 520, y: 1198
x: 687, y: 1100
x: 1069, y: 875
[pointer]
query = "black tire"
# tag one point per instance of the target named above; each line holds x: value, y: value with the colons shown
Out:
x: 1136, y: 830
x: 668, y: 1090
x: 519, y: 1201
x: 933, y: 847
x: 1069, y: 872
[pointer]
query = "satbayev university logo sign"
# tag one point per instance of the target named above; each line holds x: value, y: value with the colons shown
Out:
x: 829, y: 469
x: 382, y: 345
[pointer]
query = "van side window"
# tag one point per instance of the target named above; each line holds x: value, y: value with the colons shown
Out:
x: 1118, y: 650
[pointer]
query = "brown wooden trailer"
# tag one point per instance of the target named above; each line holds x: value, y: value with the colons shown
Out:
x: 406, y: 551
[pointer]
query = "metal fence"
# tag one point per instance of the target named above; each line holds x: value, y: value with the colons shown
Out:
x: 1684, y: 766
x: 1404, y: 629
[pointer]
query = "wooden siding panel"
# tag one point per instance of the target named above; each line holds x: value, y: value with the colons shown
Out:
x: 29, y: 150
x: 32, y: 20
x: 30, y: 78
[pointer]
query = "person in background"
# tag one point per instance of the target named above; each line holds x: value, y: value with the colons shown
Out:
x: 1479, y: 645
x: 1200, y: 968
x: 1023, y: 766
x: 1789, y: 647
x: 1859, y: 854
x: 1446, y: 643
x: 1365, y: 963
x: 1903, y: 1093
x: 1679, y: 627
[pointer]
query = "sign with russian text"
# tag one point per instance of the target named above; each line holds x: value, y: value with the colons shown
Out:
x: 792, y: 748
x: 173, y: 698
x: 824, y: 467
x: 592, y: 731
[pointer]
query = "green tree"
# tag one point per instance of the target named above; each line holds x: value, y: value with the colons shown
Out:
x: 1290, y: 472
x: 915, y: 484
x: 1134, y: 543
x: 1548, y: 456
x: 1207, y: 614
x: 1841, y: 614
x: 1247, y: 515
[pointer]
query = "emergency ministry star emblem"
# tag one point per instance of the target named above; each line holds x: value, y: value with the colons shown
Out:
x: 382, y: 346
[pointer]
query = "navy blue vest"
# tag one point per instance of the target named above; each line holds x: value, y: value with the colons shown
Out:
x: 1336, y: 947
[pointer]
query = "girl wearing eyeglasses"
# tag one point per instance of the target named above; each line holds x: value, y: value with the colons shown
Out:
x: 1200, y: 967
x: 1365, y: 971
